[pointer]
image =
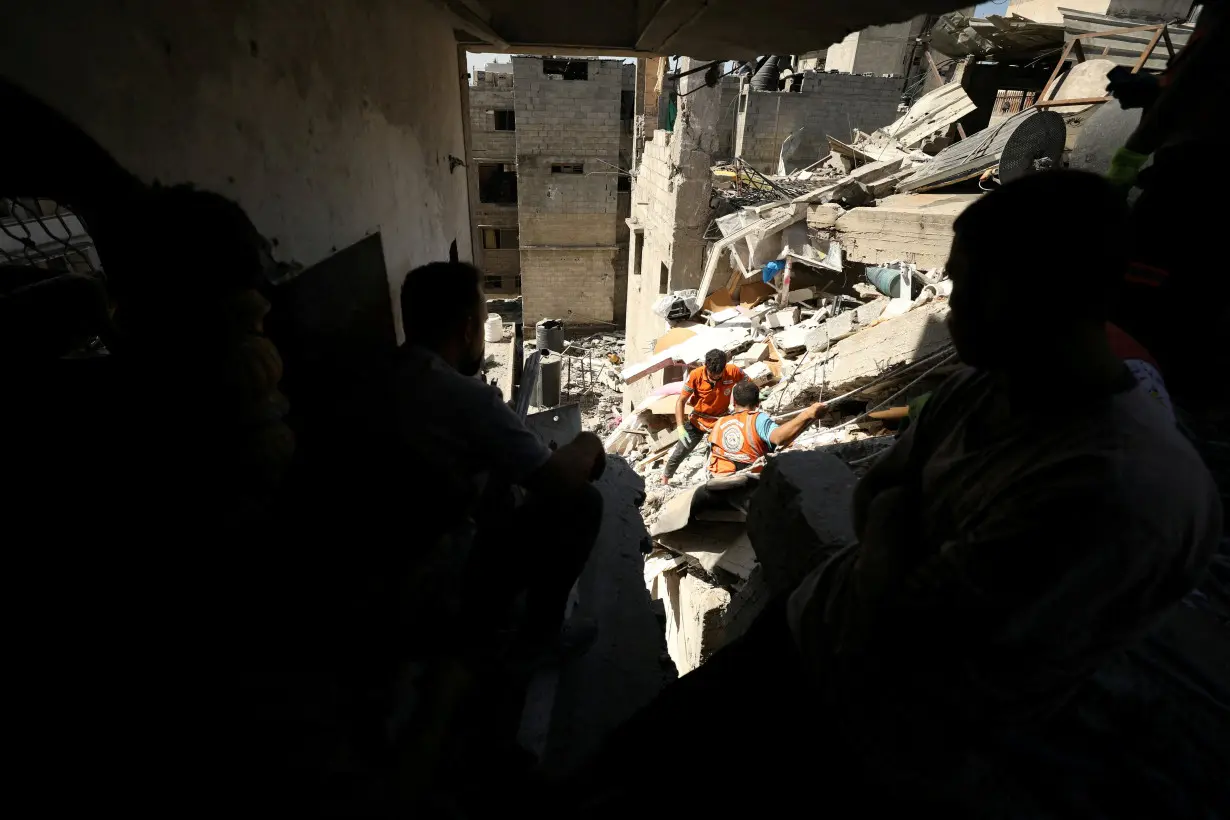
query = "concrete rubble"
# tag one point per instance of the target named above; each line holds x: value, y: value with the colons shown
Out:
x: 824, y: 284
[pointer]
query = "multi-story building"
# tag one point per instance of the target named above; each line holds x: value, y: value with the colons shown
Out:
x: 551, y: 146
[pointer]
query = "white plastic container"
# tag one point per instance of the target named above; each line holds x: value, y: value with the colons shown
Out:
x: 494, y: 329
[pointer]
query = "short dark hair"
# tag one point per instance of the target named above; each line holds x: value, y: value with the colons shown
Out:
x: 715, y: 360
x: 436, y: 298
x: 746, y: 394
x: 1079, y: 220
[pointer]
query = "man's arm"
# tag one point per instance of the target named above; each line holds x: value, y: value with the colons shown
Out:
x: 680, y: 406
x: 787, y: 432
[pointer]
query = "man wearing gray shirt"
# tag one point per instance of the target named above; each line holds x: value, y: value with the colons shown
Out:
x: 463, y: 430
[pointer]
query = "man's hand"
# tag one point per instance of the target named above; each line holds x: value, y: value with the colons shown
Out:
x: 579, y: 461
x: 682, y: 433
x: 814, y: 411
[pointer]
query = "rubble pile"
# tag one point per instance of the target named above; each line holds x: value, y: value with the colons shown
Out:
x: 824, y: 285
x: 815, y: 301
x: 590, y: 378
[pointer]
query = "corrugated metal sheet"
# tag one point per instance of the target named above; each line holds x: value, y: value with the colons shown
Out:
x: 1013, y: 145
x: 1124, y: 48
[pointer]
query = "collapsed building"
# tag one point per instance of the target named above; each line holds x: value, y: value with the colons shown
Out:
x: 820, y: 272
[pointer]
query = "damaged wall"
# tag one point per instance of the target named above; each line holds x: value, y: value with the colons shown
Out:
x: 670, y: 203
x: 326, y: 125
x: 828, y: 105
x: 876, y: 49
x: 568, y: 142
x: 492, y: 143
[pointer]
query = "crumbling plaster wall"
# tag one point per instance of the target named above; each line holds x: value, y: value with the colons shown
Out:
x: 670, y: 203
x: 828, y: 105
x: 325, y: 121
x: 568, y: 240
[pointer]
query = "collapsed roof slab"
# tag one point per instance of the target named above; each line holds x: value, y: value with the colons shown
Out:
x: 907, y: 227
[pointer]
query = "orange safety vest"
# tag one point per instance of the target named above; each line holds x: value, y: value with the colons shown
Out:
x: 734, y: 441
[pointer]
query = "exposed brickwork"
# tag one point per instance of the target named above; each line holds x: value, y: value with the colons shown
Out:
x: 568, y: 221
x: 492, y: 92
x: 828, y: 105
x: 577, y: 286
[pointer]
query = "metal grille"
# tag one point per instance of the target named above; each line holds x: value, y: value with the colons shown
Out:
x: 41, y: 233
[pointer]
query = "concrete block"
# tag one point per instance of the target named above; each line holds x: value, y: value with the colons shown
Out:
x: 850, y: 322
x: 783, y: 318
x: 800, y: 515
x: 909, y: 227
x: 904, y: 339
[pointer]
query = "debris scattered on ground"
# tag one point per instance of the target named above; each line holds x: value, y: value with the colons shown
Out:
x: 590, y: 377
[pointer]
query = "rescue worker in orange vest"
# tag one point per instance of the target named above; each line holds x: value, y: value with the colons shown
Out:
x: 708, y: 389
x: 741, y: 440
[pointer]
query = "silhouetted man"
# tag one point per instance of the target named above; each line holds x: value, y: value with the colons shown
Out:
x: 467, y: 433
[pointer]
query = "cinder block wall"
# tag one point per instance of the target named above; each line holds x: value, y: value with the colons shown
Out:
x: 569, y: 241
x: 728, y: 115
x: 829, y: 105
x: 492, y: 92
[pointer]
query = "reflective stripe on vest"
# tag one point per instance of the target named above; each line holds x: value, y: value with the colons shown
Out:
x: 734, y: 438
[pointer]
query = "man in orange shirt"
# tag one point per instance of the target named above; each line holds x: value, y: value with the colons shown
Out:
x: 740, y: 440
x: 708, y: 390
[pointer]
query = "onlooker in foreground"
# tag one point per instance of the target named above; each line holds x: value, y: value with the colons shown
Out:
x: 707, y: 389
x: 465, y: 430
x: 1041, y: 515
x: 741, y: 440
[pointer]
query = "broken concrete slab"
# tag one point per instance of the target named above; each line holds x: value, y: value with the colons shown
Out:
x: 783, y: 318
x: 902, y: 340
x: 759, y: 374
x: 709, y: 541
x: 908, y: 227
x: 824, y: 215
x: 800, y: 337
x: 800, y: 515
x: 621, y: 671
x: 849, y: 322
x: 876, y: 171
x: 694, y: 619
x: 819, y: 332
x: 690, y: 350
x: 933, y: 113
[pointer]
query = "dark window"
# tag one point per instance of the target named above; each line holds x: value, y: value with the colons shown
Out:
x: 638, y: 252
x: 566, y: 69
x: 742, y: 103
x: 517, y: 282
x: 505, y: 121
x: 664, y: 279
x: 627, y: 105
x: 497, y: 183
x: 493, y: 282
x: 623, y: 182
x: 500, y: 238
x: 568, y: 168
